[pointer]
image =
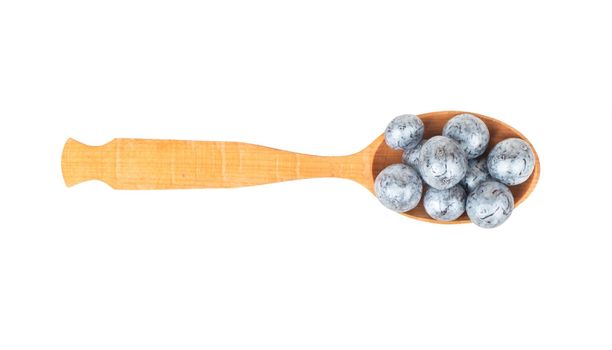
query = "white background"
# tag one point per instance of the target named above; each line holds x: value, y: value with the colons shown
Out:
x: 314, y: 264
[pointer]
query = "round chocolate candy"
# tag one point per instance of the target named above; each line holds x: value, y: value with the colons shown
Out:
x: 398, y: 187
x: 404, y: 132
x: 470, y: 132
x: 511, y: 161
x: 442, y: 163
x: 411, y: 156
x: 476, y: 174
x: 490, y: 204
x: 445, y: 205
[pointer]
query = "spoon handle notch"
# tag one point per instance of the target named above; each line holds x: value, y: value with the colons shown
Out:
x: 172, y: 164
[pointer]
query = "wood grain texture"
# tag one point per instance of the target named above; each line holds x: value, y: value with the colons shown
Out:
x: 140, y: 164
x: 173, y: 164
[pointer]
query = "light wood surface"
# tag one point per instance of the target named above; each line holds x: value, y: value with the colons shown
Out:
x: 173, y: 164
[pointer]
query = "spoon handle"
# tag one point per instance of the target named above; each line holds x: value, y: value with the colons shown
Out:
x: 173, y: 164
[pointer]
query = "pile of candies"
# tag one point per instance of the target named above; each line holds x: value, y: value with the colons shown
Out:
x: 459, y: 180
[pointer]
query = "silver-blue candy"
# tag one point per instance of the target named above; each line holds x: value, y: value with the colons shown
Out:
x: 511, y: 161
x: 411, y: 156
x: 404, y: 132
x: 398, y: 187
x: 470, y: 132
x: 445, y: 205
x: 490, y: 204
x: 442, y: 163
x: 477, y: 173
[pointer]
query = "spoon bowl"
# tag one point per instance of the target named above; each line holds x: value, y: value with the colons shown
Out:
x: 141, y: 164
x: 434, y: 122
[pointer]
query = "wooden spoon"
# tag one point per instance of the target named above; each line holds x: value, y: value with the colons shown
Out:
x: 139, y: 164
